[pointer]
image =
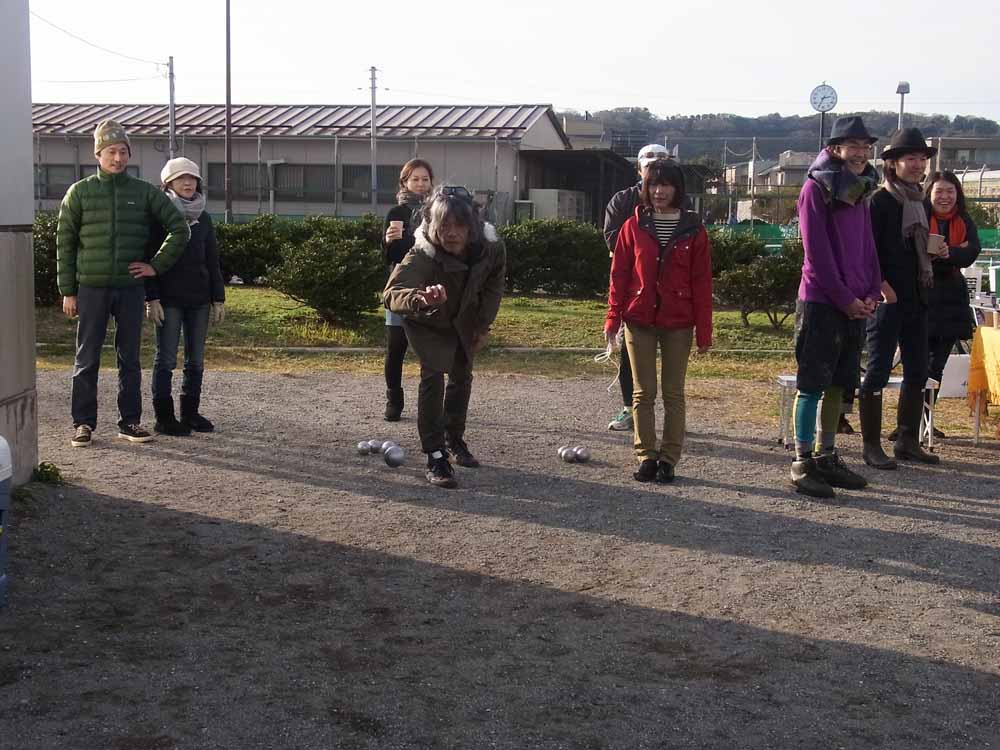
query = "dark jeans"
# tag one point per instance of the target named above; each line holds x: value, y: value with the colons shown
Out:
x: 625, y: 377
x: 892, y: 326
x: 95, y: 306
x: 194, y: 322
x: 395, y: 352
x: 940, y: 350
x: 443, y: 410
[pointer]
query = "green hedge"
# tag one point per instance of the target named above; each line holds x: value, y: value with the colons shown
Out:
x: 556, y: 256
x: 768, y: 284
x: 44, y: 243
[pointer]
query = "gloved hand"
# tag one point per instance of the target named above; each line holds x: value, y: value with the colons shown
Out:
x: 154, y: 311
x: 218, y: 313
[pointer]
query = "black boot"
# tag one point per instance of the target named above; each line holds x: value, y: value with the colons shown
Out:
x: 166, y: 422
x: 393, y: 404
x: 190, y: 416
x: 870, y: 415
x: 843, y: 426
x: 911, y: 408
x: 807, y: 479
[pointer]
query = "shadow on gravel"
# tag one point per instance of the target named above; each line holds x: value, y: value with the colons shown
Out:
x: 134, y: 626
x: 658, y: 515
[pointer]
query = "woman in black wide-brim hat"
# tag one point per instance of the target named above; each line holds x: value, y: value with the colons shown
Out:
x: 900, y: 228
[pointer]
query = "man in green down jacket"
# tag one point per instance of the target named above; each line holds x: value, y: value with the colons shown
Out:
x: 104, y: 227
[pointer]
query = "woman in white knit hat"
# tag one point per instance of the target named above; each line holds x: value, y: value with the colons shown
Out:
x: 185, y: 298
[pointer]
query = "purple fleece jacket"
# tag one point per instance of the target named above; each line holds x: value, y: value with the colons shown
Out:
x: 841, y: 263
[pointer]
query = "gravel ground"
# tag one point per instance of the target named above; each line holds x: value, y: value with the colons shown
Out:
x: 266, y: 587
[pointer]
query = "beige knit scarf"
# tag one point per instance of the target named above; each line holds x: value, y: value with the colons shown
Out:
x: 911, y: 198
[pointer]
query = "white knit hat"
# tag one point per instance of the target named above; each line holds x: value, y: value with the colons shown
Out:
x: 176, y: 167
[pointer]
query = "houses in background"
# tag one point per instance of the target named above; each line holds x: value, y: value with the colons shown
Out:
x: 301, y: 160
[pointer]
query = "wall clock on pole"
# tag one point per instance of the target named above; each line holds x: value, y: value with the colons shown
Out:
x: 823, y: 98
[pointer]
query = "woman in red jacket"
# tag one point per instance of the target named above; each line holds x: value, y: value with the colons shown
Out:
x: 661, y: 290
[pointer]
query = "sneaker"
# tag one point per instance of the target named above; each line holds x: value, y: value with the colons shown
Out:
x: 664, y: 472
x: 439, y: 471
x: 81, y: 438
x: 807, y: 479
x: 832, y: 468
x: 134, y: 433
x: 622, y: 422
x: 463, y: 456
x: 646, y: 471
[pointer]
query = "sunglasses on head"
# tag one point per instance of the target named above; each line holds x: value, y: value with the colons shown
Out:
x: 458, y: 191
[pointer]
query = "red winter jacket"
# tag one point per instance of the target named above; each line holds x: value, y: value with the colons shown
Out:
x: 668, y: 289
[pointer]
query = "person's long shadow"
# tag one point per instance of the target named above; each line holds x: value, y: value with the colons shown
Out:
x: 622, y: 510
x: 134, y: 625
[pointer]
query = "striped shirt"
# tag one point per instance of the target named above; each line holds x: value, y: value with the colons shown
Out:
x: 665, y: 226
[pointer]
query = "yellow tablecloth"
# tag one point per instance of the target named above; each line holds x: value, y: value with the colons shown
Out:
x: 984, y: 364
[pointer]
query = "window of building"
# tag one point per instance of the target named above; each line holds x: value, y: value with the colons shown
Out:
x: 244, y: 181
x: 356, y: 183
x: 53, y: 180
x: 304, y: 182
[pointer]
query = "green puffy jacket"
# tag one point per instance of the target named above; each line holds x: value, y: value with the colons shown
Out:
x: 105, y: 222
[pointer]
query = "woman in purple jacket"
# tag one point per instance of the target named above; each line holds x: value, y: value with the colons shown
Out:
x: 840, y: 287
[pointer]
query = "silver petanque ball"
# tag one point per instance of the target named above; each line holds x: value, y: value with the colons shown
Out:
x: 374, y: 446
x: 386, y: 445
x: 394, y: 456
x: 582, y: 453
x: 567, y: 454
x: 363, y: 449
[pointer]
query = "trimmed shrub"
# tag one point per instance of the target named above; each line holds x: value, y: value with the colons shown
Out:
x: 248, y: 250
x: 732, y: 248
x: 44, y: 244
x: 556, y: 256
x: 338, y: 276
x: 768, y: 284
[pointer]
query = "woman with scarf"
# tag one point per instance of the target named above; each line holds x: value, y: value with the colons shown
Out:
x: 416, y: 180
x: 661, y: 291
x: 901, y: 230
x: 949, y: 315
x: 840, y: 287
x: 185, y: 298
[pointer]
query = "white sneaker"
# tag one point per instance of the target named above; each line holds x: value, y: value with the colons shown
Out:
x: 81, y: 437
x: 622, y: 422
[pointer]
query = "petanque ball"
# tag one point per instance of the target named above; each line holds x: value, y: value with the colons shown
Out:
x: 374, y: 446
x: 387, y: 445
x: 567, y: 454
x: 363, y: 448
x: 394, y: 456
x: 582, y: 453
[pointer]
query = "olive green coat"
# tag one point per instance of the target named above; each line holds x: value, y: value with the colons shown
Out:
x: 474, y: 293
x: 105, y: 222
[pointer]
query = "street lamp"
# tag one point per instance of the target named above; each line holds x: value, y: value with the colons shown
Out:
x: 902, y: 89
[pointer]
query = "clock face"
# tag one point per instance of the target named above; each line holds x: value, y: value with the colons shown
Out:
x: 823, y: 98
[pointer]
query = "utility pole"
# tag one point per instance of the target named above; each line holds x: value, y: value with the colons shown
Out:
x: 374, y: 183
x: 171, y: 112
x: 902, y: 89
x: 229, y: 126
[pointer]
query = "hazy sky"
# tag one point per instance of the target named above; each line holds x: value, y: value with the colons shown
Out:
x: 716, y: 56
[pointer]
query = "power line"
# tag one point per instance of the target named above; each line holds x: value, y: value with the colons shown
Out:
x: 109, y: 80
x: 91, y: 44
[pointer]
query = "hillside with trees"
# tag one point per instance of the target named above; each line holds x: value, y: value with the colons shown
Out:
x: 701, y: 137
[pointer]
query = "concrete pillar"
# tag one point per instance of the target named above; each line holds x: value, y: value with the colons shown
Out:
x: 18, y: 399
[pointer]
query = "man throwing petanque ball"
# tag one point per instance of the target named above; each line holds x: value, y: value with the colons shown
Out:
x: 448, y: 290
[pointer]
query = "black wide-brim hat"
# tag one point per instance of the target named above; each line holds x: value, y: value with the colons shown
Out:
x: 907, y: 141
x: 849, y: 128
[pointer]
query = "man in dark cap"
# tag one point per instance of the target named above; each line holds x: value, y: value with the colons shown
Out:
x: 840, y: 288
x: 899, y: 223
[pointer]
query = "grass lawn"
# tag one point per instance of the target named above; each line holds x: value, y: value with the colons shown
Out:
x: 258, y: 317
